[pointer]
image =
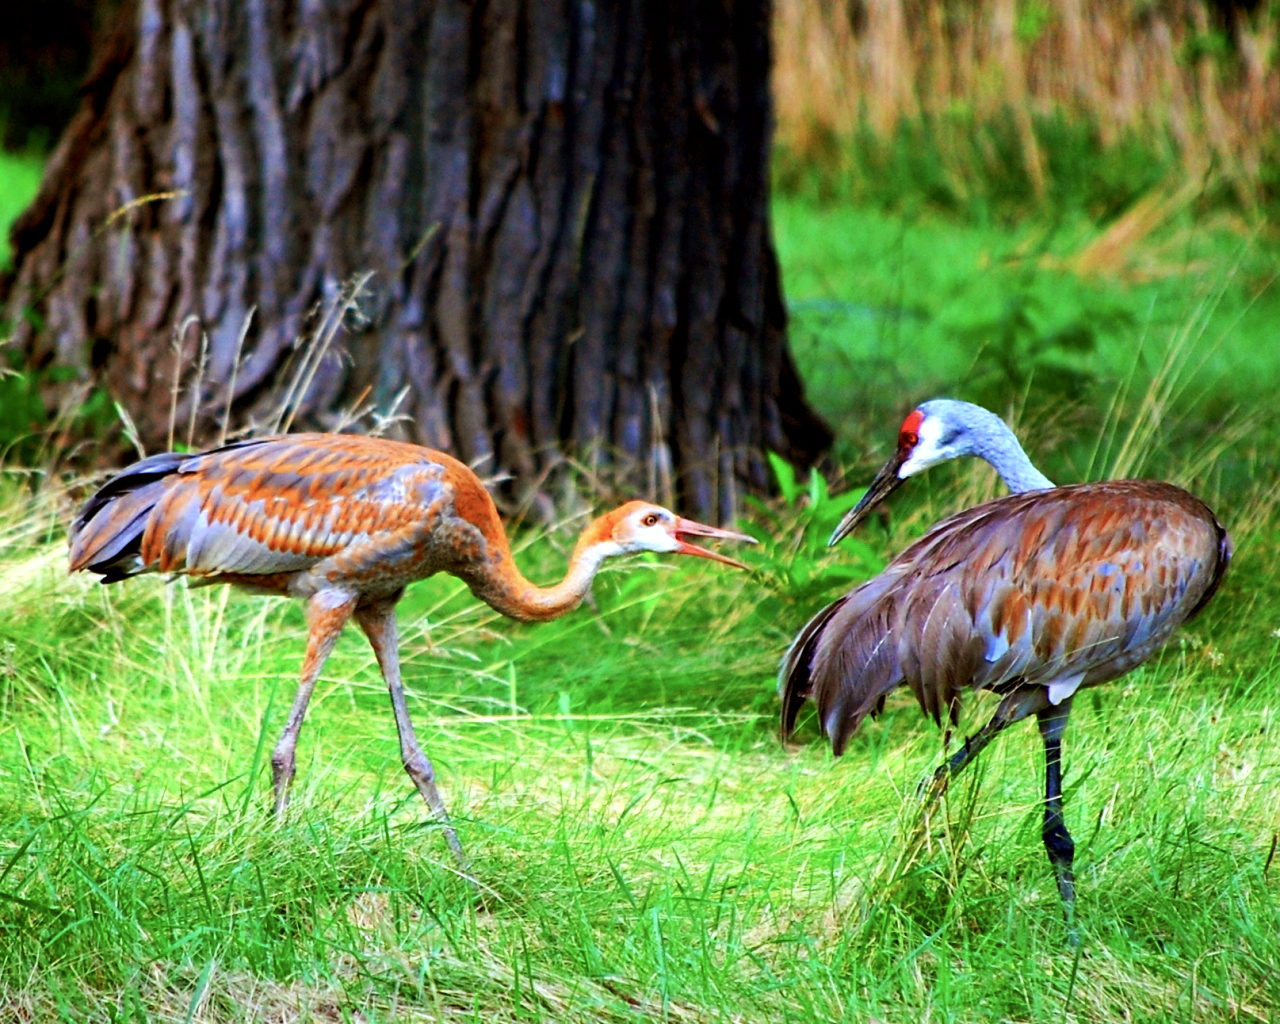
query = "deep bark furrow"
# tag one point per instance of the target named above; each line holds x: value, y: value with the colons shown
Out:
x: 595, y: 227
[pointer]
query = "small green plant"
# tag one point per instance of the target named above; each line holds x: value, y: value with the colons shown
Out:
x: 25, y: 423
x: 22, y: 412
x: 793, y: 559
x: 19, y: 181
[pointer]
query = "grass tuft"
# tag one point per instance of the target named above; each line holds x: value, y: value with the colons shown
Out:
x: 645, y: 848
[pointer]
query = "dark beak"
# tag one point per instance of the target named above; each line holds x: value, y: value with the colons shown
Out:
x: 688, y: 528
x: 886, y: 481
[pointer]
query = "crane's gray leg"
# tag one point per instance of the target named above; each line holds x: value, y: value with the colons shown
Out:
x: 379, y: 624
x: 327, y: 613
x: 1053, y: 723
x: 1057, y: 840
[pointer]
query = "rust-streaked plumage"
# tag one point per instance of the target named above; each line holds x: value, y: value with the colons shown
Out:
x: 345, y: 523
x: 1032, y: 596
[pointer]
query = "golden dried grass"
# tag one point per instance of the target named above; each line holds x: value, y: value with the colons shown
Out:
x: 1165, y: 71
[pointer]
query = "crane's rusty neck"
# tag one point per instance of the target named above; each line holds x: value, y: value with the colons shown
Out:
x: 505, y: 589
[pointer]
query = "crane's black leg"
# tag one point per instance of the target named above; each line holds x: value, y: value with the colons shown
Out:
x: 1014, y: 708
x: 969, y: 752
x: 973, y: 746
x: 327, y: 613
x: 1057, y: 840
x: 379, y: 624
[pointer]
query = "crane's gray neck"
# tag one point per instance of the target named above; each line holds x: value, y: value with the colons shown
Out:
x: 986, y: 435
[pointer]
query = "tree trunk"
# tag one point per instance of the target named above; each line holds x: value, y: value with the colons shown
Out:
x: 559, y: 212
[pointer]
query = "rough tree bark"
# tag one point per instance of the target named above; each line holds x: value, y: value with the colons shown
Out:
x: 564, y: 207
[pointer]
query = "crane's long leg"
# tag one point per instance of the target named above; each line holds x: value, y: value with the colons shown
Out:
x: 327, y: 613
x: 379, y: 624
x: 1014, y: 708
x: 1052, y: 720
x: 1057, y: 840
x: 973, y: 746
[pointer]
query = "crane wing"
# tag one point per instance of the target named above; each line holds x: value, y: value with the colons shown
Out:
x: 266, y: 506
x: 1081, y: 585
x: 1061, y: 588
x: 795, y: 673
x: 843, y: 658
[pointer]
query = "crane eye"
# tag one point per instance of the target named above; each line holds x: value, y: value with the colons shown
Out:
x: 909, y: 439
x: 650, y: 520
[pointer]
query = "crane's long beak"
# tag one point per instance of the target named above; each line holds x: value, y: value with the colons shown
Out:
x: 687, y: 527
x: 886, y: 481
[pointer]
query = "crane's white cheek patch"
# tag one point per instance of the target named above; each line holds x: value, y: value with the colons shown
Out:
x: 928, y: 450
x: 659, y: 540
x: 1061, y: 689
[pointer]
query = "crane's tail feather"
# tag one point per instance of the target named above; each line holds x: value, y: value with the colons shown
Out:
x: 795, y: 674
x: 853, y: 684
x: 845, y: 659
x: 106, y: 536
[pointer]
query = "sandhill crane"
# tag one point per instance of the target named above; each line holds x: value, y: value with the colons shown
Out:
x: 345, y: 523
x: 1033, y: 596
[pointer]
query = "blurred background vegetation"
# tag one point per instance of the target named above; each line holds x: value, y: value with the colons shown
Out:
x: 995, y: 109
x: 1036, y: 204
x: 1047, y: 206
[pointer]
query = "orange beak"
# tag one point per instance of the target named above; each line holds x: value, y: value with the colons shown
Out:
x: 688, y: 528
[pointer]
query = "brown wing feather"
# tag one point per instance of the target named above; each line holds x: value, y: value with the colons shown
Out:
x: 795, y: 675
x: 1059, y: 588
x: 946, y: 649
x: 278, y: 505
x: 844, y: 659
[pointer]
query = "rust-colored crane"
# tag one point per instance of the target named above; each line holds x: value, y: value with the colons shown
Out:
x: 345, y: 523
x: 1033, y: 596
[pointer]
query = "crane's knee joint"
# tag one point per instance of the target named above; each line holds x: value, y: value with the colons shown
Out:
x: 419, y: 767
x: 1058, y: 841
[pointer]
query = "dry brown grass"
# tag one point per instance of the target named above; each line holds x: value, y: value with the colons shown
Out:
x: 1129, y: 67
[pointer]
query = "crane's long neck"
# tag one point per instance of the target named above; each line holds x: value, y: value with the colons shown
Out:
x: 505, y: 589
x: 996, y: 443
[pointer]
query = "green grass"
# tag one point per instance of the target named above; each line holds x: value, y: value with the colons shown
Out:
x: 645, y: 848
x: 915, y: 307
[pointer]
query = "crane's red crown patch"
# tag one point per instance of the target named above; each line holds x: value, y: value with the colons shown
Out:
x: 910, y: 432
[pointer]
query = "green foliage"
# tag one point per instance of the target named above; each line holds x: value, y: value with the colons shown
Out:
x: 1032, y: 21
x: 976, y: 169
x: 889, y: 310
x: 1102, y: 180
x: 25, y: 422
x: 1215, y: 44
x: 793, y: 559
x: 1020, y: 350
x: 22, y: 413
x: 19, y: 180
